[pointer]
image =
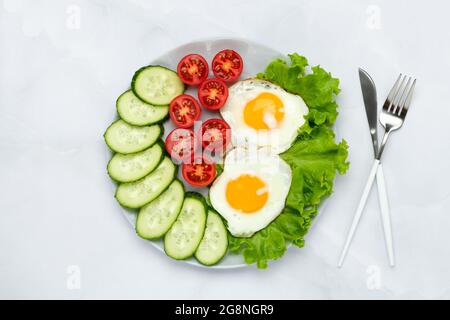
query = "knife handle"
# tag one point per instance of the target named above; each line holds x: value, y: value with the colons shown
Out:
x: 359, y: 210
x: 385, y: 215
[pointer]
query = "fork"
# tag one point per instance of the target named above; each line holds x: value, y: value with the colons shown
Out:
x: 392, y: 117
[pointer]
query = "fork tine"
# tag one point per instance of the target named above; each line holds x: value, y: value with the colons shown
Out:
x: 392, y: 93
x: 401, y: 97
x: 397, y: 95
x: 405, y: 105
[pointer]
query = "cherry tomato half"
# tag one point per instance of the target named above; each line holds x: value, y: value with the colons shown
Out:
x: 213, y: 93
x: 180, y: 144
x: 193, y: 69
x: 215, y: 134
x: 200, y: 173
x: 184, y: 110
x: 227, y: 65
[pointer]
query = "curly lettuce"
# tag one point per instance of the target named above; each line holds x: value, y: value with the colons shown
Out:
x: 314, y: 157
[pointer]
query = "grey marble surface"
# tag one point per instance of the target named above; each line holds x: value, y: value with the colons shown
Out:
x: 62, y: 63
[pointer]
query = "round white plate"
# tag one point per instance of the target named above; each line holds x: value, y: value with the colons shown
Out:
x: 256, y: 57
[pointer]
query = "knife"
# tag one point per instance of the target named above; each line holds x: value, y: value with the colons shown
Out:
x: 370, y: 103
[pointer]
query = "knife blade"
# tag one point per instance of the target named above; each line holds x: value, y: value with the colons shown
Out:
x: 370, y: 103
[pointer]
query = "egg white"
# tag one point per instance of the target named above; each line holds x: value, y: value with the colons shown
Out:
x: 278, y: 139
x: 263, y: 164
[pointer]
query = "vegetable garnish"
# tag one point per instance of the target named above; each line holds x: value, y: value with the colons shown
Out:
x: 200, y: 172
x: 180, y: 144
x: 193, y: 69
x: 184, y: 110
x: 317, y: 88
x: 227, y: 65
x: 215, y: 134
x: 314, y: 158
x: 213, y: 93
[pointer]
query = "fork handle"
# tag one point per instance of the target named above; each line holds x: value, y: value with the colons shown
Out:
x: 385, y: 214
x: 359, y: 210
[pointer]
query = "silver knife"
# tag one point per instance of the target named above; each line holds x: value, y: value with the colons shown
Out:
x: 370, y: 103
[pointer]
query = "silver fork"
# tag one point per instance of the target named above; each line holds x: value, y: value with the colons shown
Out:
x: 392, y: 117
x: 395, y: 108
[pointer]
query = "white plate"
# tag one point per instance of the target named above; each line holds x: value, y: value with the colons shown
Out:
x: 256, y: 57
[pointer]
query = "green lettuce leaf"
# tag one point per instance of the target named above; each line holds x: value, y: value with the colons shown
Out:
x: 317, y: 88
x: 314, y: 157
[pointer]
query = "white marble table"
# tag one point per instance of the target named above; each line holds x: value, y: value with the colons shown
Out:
x: 62, y: 63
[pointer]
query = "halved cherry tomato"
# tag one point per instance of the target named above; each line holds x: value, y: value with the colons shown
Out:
x: 184, y: 110
x: 180, y: 144
x: 215, y: 134
x: 213, y: 93
x: 193, y: 69
x: 227, y: 65
x: 200, y: 173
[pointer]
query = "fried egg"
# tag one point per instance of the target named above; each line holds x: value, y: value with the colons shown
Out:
x: 263, y: 114
x: 251, y: 191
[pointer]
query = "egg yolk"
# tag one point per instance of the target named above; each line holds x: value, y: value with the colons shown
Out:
x: 247, y: 193
x: 264, y: 112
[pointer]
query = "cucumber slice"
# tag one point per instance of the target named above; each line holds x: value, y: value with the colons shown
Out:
x: 136, y: 112
x: 156, y: 218
x: 183, y: 238
x: 124, y: 138
x: 156, y: 85
x: 138, y: 193
x: 214, y: 244
x: 133, y: 166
